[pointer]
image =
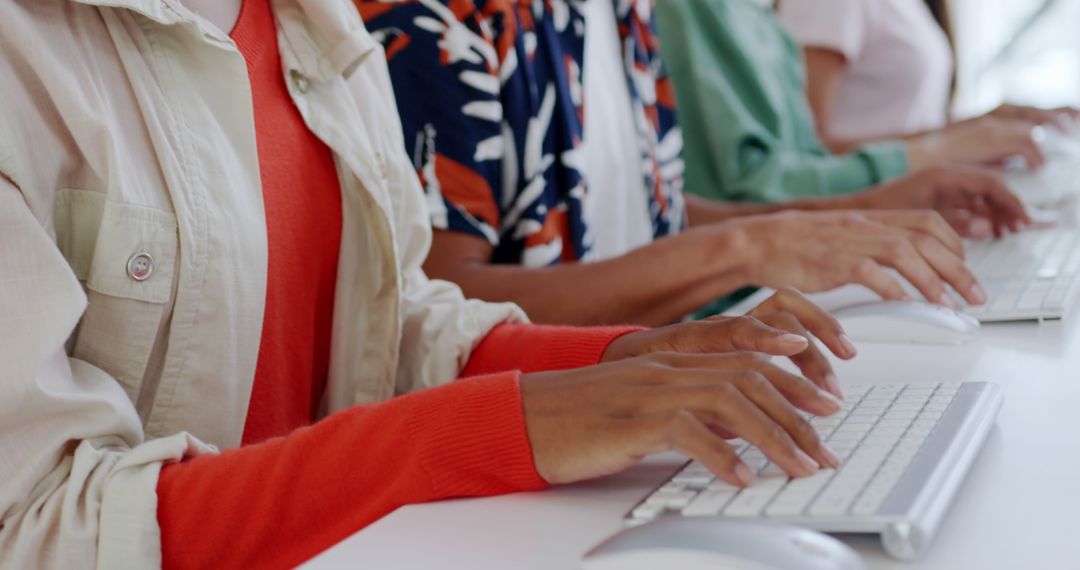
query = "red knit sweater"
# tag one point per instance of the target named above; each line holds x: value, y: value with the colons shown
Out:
x: 277, y: 503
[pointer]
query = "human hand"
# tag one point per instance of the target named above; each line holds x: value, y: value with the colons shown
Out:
x: 595, y: 421
x: 819, y: 251
x: 987, y: 140
x: 975, y: 202
x: 782, y: 325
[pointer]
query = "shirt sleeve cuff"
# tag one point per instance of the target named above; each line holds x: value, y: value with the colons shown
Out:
x: 887, y: 159
x: 539, y: 348
x: 474, y: 442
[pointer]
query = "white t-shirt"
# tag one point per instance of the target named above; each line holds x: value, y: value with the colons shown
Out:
x: 616, y: 208
x: 899, y: 62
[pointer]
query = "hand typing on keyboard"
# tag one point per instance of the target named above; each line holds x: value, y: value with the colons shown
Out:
x: 878, y: 432
x: 764, y: 329
x: 821, y: 251
x: 976, y: 202
x: 595, y: 421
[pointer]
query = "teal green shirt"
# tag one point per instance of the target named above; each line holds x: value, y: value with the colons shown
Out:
x: 747, y: 127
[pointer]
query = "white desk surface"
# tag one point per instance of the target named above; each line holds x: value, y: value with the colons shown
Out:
x: 1019, y: 506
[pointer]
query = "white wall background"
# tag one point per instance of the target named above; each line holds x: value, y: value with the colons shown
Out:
x: 1022, y: 51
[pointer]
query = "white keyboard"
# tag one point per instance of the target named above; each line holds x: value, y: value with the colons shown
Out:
x: 1059, y: 179
x: 1049, y: 186
x: 905, y: 449
x: 1027, y: 276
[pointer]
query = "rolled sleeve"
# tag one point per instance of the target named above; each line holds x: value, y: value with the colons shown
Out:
x: 77, y: 478
x: 837, y: 25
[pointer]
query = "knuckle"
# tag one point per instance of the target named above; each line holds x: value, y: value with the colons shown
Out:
x: 787, y: 293
x: 787, y: 319
x: 752, y: 380
x: 746, y: 325
x: 664, y: 359
x: 923, y: 242
x: 743, y: 320
x: 778, y: 435
x: 805, y: 431
x: 677, y: 423
x: 898, y: 248
x: 935, y: 218
x: 748, y: 359
x: 725, y: 391
x: 656, y: 367
x: 866, y: 269
x: 853, y: 219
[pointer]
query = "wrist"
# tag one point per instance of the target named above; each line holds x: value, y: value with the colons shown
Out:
x: 739, y: 250
x: 921, y: 152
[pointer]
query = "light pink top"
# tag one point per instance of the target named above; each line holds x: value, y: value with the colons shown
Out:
x: 899, y: 62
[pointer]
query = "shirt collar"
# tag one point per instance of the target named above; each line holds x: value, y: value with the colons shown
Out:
x: 327, y: 37
x: 162, y: 11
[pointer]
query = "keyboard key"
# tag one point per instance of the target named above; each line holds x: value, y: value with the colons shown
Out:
x: 709, y: 502
x: 751, y: 501
x: 876, y: 455
x: 798, y: 494
x: 1027, y: 275
x: 1033, y: 296
x: 647, y: 511
x: 693, y: 479
x: 1057, y: 296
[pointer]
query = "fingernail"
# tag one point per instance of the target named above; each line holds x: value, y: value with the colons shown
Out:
x: 830, y: 457
x: 834, y: 386
x: 848, y: 346
x: 978, y: 294
x: 809, y: 465
x: 743, y: 474
x: 947, y: 301
x: 793, y: 339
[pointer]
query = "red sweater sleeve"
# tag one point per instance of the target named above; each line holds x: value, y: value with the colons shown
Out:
x: 539, y: 348
x: 276, y: 504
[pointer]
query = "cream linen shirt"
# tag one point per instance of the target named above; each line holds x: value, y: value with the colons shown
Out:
x: 133, y: 256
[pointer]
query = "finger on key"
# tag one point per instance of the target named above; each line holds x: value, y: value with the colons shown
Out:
x: 811, y: 362
x: 927, y: 222
x: 687, y: 434
x: 905, y: 258
x: 819, y: 322
x: 769, y: 400
x: 951, y: 268
x: 731, y: 410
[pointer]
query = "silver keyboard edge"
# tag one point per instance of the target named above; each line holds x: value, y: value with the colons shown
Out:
x: 922, y: 497
x: 911, y: 515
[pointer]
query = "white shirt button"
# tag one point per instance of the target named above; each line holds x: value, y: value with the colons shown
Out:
x: 140, y: 266
x: 299, y: 81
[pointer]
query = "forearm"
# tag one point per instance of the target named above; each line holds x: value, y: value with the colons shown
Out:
x: 918, y: 156
x: 656, y: 284
x: 277, y: 504
x: 702, y: 211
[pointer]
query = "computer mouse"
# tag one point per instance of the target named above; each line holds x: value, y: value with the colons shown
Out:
x: 714, y: 543
x: 906, y: 322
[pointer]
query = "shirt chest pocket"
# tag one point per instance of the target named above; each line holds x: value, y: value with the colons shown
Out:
x: 125, y: 255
